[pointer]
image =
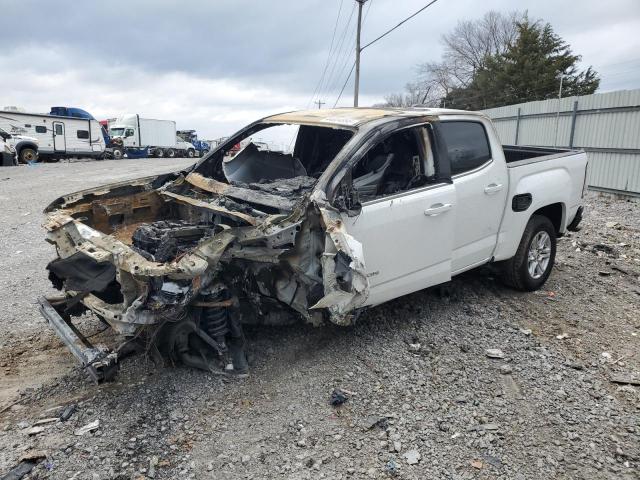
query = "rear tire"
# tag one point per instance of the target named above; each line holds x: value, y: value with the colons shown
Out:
x: 28, y: 155
x: 158, y: 152
x: 531, y: 266
x: 171, y: 153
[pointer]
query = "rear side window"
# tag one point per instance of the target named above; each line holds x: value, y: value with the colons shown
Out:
x: 83, y: 134
x: 41, y: 129
x: 467, y: 145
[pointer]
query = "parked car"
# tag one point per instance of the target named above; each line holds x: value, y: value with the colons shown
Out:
x: 369, y: 205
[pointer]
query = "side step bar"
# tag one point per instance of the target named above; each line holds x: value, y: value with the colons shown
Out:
x: 99, y: 363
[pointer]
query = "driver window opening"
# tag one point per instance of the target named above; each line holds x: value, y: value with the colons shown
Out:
x: 401, y: 162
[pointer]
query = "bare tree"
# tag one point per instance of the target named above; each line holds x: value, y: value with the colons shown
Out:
x: 467, y: 48
x: 417, y: 93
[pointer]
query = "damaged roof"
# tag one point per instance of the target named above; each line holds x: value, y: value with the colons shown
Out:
x: 353, y: 117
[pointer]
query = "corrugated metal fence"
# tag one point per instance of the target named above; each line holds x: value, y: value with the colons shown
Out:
x: 606, y: 125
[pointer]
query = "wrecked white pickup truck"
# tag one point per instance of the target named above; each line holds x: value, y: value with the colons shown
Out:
x: 370, y: 205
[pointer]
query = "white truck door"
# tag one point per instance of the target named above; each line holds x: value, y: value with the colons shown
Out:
x: 406, y: 235
x: 59, y: 141
x: 481, y: 184
x: 130, y: 139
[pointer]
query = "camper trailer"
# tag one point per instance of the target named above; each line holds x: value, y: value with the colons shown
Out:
x: 58, y: 136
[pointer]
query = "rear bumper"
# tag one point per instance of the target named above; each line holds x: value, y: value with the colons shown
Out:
x: 100, y: 363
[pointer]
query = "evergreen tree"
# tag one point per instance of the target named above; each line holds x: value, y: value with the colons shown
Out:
x: 530, y: 69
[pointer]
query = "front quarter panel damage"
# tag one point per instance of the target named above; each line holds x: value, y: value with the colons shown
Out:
x: 194, y: 258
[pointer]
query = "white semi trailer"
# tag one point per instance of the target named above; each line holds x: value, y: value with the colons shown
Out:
x: 132, y: 131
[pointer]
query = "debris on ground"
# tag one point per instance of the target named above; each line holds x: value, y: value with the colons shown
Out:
x: 412, y: 457
x: 391, y: 467
x: 27, y: 463
x: 338, y: 397
x: 373, y: 421
x: 153, y: 463
x: 34, y: 431
x: 45, y: 421
x: 494, y: 353
x: 68, y: 411
x: 625, y: 380
x: 89, y: 427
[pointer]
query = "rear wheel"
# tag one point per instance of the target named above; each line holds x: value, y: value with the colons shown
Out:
x: 158, y: 152
x: 28, y: 155
x: 171, y: 153
x: 530, y: 267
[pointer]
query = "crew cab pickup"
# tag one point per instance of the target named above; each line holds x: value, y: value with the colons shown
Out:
x: 369, y: 205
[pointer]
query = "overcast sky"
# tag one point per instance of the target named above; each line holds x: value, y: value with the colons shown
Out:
x: 217, y: 65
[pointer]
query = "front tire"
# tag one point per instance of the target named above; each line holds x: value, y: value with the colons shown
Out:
x: 191, y: 153
x: 531, y: 266
x: 28, y: 155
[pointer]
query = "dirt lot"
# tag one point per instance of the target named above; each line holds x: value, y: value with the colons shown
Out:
x: 425, y: 400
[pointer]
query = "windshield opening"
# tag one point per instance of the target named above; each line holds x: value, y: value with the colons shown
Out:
x: 272, y: 152
x: 116, y: 132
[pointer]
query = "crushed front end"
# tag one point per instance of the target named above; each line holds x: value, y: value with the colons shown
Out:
x: 176, y: 264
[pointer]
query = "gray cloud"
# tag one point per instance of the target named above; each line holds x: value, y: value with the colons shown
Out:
x: 214, y: 65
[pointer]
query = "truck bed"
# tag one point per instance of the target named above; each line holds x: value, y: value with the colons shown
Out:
x: 516, y: 155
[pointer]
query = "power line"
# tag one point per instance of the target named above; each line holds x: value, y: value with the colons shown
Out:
x: 326, y: 64
x: 345, y: 84
x: 403, y: 21
x: 339, y: 53
x: 347, y: 58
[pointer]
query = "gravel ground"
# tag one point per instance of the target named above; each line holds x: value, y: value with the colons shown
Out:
x: 424, y: 399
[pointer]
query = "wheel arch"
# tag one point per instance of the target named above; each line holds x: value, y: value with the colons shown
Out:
x: 22, y: 145
x: 556, y: 213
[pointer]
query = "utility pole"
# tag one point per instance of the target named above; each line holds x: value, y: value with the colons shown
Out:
x: 357, y: 80
x: 319, y: 103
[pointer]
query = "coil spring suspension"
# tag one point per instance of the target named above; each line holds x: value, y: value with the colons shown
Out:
x: 215, y: 320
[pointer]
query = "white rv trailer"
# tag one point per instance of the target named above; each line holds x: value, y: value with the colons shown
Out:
x: 58, y: 136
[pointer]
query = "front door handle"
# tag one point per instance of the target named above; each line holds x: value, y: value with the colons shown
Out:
x: 437, y: 209
x: 492, y: 188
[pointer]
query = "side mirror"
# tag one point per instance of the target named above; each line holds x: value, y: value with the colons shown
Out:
x: 347, y: 198
x: 5, y: 135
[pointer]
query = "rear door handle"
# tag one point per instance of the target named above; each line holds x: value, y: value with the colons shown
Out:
x: 437, y: 209
x: 492, y: 188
